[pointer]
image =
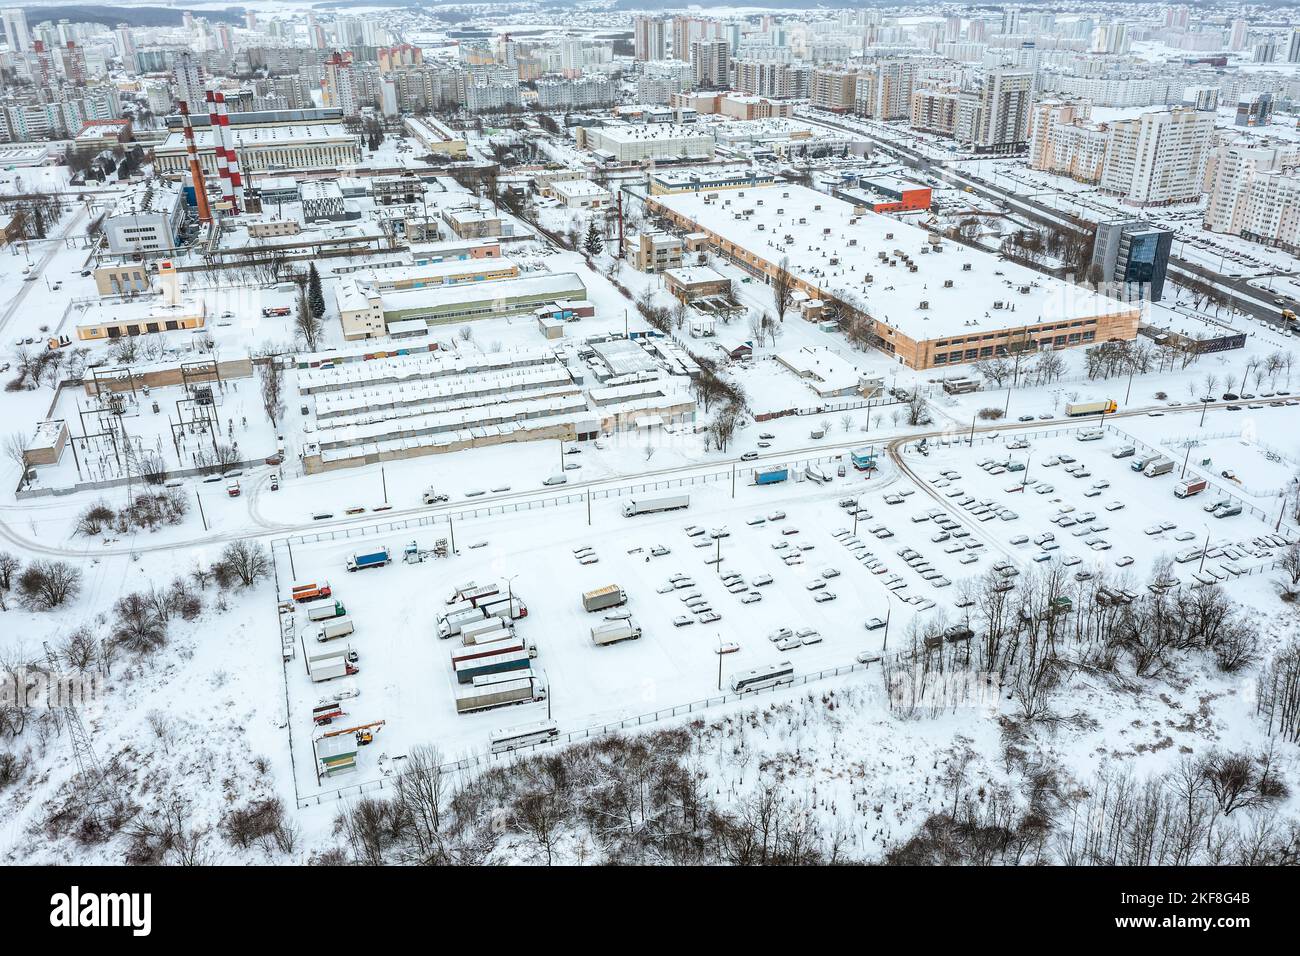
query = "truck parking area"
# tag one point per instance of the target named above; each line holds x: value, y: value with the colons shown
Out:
x: 799, y: 571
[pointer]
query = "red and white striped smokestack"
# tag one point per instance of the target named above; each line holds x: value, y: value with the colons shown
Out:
x: 234, y: 182
x: 232, y: 161
x: 196, y: 170
x: 218, y: 147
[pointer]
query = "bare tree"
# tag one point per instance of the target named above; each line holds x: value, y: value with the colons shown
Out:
x: 245, y: 560
x: 45, y: 585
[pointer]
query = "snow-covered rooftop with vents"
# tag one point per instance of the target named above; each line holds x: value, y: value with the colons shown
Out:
x: 834, y: 248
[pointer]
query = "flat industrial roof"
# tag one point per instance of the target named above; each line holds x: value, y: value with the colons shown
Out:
x: 246, y: 136
x: 773, y: 231
x: 557, y: 284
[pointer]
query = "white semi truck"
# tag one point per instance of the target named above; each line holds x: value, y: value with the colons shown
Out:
x: 649, y: 506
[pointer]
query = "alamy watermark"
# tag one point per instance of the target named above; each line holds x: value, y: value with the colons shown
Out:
x: 35, y: 689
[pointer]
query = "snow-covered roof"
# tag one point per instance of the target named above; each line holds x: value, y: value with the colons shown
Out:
x: 830, y: 229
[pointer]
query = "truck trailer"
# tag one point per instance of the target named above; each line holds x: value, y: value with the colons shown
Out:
x: 615, y: 631
x: 326, y: 609
x: 498, y: 690
x: 472, y: 632
x: 449, y: 625
x: 771, y: 476
x: 1190, y: 486
x: 370, y: 559
x: 505, y: 645
x: 510, y: 609
x: 609, y: 596
x: 1076, y: 409
x: 467, y: 670
x: 649, y: 506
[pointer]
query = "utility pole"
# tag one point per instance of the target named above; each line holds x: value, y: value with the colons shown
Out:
x: 199, y: 498
x: 1183, y: 473
x: 384, y: 481
x: 100, y: 790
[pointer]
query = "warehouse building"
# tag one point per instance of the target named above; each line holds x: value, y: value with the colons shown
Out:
x: 366, y: 312
x: 262, y: 148
x: 625, y: 143
x: 931, y: 303
x: 146, y: 218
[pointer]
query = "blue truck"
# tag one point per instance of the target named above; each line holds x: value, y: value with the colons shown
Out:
x: 864, y: 459
x: 771, y: 476
x: 370, y: 559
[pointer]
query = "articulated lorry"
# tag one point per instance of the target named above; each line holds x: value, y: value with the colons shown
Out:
x: 1090, y: 408
x: 498, y: 690
x: 1190, y: 486
x: 326, y: 609
x: 609, y: 596
x: 370, y: 559
x: 649, y: 506
x: 615, y: 631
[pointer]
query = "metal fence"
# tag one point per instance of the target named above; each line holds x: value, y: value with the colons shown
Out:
x: 741, y: 474
x: 1224, y: 493
x: 640, y: 720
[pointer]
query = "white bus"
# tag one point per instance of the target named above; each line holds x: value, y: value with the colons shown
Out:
x: 770, y: 676
x: 525, y: 735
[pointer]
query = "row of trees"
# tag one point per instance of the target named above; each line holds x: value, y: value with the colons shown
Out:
x: 616, y: 800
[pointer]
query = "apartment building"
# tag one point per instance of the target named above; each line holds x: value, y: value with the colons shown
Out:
x: 884, y: 90
x: 650, y: 39
x: 1255, y: 192
x: 1159, y: 157
x: 834, y: 90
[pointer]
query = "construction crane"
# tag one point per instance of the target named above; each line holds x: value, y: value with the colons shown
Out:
x: 365, y: 733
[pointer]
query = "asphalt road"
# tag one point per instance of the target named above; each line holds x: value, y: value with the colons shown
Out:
x: 1243, y: 296
x: 265, y: 528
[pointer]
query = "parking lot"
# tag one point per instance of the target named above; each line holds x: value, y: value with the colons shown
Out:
x: 1056, y: 498
x: 817, y: 574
